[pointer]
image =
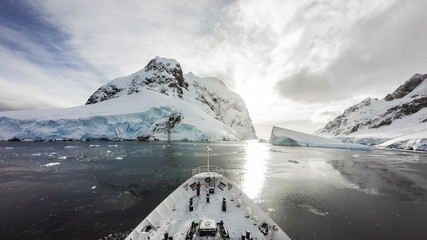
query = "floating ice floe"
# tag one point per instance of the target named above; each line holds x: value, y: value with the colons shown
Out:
x: 70, y: 147
x: 50, y: 164
x: 314, y: 210
x: 52, y: 154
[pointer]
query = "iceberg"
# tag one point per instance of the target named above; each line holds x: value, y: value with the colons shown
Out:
x: 286, y: 137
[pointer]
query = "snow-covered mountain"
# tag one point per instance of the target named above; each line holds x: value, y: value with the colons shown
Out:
x: 158, y: 102
x: 398, y: 121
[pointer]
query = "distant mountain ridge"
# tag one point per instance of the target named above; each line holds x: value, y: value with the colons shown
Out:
x: 157, y: 102
x: 401, y: 116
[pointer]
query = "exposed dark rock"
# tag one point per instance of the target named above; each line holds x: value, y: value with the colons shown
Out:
x: 413, y: 107
x: 355, y: 128
x: 163, y: 78
x: 135, y: 84
x: 167, y: 125
x: 365, y: 103
x: 163, y: 126
x: 104, y: 93
x: 407, y: 87
x: 177, y: 83
x: 15, y: 139
x: 383, y: 122
x: 144, y: 138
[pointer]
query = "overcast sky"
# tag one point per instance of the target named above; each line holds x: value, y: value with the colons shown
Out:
x: 297, y: 64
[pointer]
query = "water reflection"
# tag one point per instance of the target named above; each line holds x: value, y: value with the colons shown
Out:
x: 374, y: 173
x: 307, y: 166
x: 374, y: 177
x: 254, y: 177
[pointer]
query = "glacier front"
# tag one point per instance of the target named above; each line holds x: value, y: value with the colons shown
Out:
x: 155, y: 103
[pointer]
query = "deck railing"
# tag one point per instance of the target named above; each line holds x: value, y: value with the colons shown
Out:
x: 212, y: 169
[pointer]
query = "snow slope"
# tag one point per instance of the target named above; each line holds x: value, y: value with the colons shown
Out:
x: 155, y: 103
x: 400, y: 117
x: 286, y: 137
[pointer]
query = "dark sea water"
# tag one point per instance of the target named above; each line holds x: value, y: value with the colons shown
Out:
x: 93, y: 189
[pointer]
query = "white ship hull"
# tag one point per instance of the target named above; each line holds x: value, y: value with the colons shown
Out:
x: 221, y: 211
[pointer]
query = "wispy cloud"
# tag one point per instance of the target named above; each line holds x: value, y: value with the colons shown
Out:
x: 377, y: 53
x: 39, y: 68
x: 310, y: 57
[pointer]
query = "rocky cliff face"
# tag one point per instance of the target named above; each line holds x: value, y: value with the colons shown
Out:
x: 402, y: 112
x: 407, y: 87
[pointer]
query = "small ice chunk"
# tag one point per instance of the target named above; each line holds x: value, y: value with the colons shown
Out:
x: 69, y: 147
x: 52, y: 154
x: 314, y: 210
x: 93, y: 187
x: 50, y: 164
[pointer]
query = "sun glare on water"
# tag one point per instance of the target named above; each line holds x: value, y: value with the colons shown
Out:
x: 255, y: 169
